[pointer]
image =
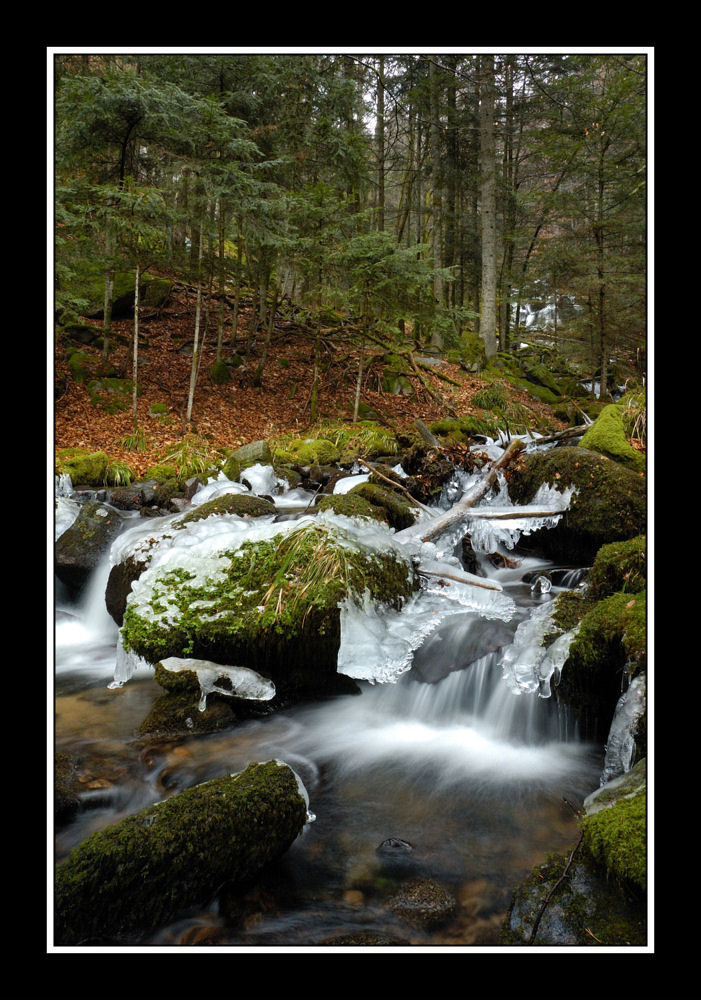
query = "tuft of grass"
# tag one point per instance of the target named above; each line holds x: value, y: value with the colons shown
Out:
x: 192, y: 457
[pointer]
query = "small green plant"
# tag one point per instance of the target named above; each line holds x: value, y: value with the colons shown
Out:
x: 117, y: 473
x: 192, y: 457
x: 136, y: 441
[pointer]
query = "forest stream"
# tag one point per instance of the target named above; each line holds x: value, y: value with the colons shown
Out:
x: 457, y: 767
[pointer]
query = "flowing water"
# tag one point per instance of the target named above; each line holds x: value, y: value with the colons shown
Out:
x: 458, y: 767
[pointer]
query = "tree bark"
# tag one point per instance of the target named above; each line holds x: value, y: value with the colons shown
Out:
x: 488, y: 296
x: 196, y: 338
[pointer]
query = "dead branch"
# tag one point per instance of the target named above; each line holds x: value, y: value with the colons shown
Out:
x: 458, y: 512
x: 395, y: 486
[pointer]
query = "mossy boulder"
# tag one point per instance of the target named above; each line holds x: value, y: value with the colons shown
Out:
x: 271, y: 605
x: 610, y: 503
x: 615, y: 829
x: 219, y: 373
x: 619, y: 567
x: 607, y: 435
x: 461, y: 430
x: 240, y: 504
x: 310, y: 451
x: 123, y: 882
x: 607, y: 652
x: 395, y: 509
x: 91, y: 468
x: 254, y: 453
x: 66, y: 788
x: 351, y: 505
x: 80, y: 548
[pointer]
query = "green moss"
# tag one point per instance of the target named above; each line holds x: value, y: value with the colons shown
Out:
x: 462, y: 429
x: 254, y: 453
x: 616, y: 838
x: 350, y: 505
x: 492, y: 397
x: 276, y: 600
x: 607, y: 435
x: 619, y: 566
x: 363, y: 439
x: 158, y: 410
x: 130, y: 878
x: 397, y: 511
x: 610, y: 503
x: 219, y: 373
x: 230, y: 503
x: 611, y: 641
x: 94, y: 468
x: 112, y: 395
x: 161, y: 472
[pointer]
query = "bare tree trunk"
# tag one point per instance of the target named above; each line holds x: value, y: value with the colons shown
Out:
x: 109, y: 286
x: 135, y: 353
x: 380, y: 135
x: 436, y: 197
x: 196, y: 338
x: 488, y: 317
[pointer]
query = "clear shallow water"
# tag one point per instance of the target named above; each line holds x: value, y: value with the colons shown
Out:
x: 469, y: 774
x: 476, y: 779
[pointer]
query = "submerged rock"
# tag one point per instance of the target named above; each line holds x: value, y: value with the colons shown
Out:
x: 423, y: 903
x: 126, y: 880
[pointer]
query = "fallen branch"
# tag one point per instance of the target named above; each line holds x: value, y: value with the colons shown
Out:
x: 561, y: 435
x: 512, y: 515
x: 458, y: 512
x: 459, y: 579
x: 549, y: 896
x: 395, y: 486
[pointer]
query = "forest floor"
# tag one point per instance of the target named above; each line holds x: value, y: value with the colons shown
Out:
x: 231, y: 415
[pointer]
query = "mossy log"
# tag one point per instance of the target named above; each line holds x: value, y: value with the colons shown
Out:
x: 128, y: 879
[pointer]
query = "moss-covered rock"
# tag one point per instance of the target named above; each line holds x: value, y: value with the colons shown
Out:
x: 609, y: 649
x: 351, y: 505
x: 610, y: 503
x: 396, y: 509
x: 241, y: 504
x: 583, y: 909
x: 126, y: 880
x: 619, y: 566
x: 66, y: 788
x: 460, y: 430
x: 112, y: 395
x: 91, y: 468
x: 254, y: 453
x: 219, y: 373
x: 270, y: 605
x: 615, y: 831
x: 607, y: 435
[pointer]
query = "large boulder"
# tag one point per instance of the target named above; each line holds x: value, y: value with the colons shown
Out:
x: 126, y: 880
x: 254, y: 453
x: 270, y: 604
x: 610, y: 503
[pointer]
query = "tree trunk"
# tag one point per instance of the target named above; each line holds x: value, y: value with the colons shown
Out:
x: 196, y: 337
x: 436, y: 197
x: 109, y: 286
x: 135, y: 352
x: 380, y: 136
x: 488, y: 296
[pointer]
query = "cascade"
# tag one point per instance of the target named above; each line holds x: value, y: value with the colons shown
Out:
x: 455, y: 742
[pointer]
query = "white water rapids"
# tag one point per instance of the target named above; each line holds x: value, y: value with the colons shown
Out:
x: 472, y: 765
